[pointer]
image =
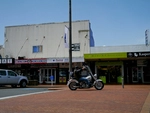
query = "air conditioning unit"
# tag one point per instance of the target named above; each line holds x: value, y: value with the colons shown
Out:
x: 21, y: 57
x: 6, y: 56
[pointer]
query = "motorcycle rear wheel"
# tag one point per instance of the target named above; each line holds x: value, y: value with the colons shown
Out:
x: 73, y: 86
x: 99, y: 85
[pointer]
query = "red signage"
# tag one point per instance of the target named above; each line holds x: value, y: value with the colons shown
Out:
x: 31, y: 61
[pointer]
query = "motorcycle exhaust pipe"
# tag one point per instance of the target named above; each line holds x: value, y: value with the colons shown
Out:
x: 76, y: 86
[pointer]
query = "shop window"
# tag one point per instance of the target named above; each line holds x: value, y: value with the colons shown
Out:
x: 62, y: 73
x: 146, y: 74
x: 111, y: 74
x: 62, y: 76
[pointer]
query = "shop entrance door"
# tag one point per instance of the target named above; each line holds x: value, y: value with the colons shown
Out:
x: 137, y: 74
x: 47, y: 75
x: 110, y: 72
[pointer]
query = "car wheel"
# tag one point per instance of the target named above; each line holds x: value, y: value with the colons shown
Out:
x: 23, y: 84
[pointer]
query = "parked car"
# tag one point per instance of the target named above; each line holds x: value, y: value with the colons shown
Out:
x: 9, y: 77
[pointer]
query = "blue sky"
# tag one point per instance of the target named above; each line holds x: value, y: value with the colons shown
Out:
x: 114, y: 22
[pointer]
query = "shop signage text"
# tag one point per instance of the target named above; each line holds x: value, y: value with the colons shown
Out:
x: 31, y: 61
x: 138, y: 54
x: 6, y: 60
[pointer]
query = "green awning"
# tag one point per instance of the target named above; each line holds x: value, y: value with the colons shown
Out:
x: 105, y: 55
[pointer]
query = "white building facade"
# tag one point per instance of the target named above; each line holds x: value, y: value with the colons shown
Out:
x: 41, y: 52
x: 1, y: 51
x: 46, y: 40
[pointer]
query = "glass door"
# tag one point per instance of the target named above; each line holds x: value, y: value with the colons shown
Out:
x: 47, y: 75
x: 140, y: 74
x: 137, y: 74
x: 146, y: 74
x: 134, y: 75
x: 51, y: 75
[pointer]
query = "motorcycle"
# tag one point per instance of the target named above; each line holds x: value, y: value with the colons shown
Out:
x: 73, y: 84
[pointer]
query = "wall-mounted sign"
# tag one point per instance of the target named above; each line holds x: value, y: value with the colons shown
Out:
x: 57, y: 60
x: 66, y: 65
x: 138, y: 54
x: 147, y: 37
x: 31, y: 61
x: 105, y: 55
x: 76, y: 47
x: 65, y: 60
x: 52, y: 65
x: 6, y: 60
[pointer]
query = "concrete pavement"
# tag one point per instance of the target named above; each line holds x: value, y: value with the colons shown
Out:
x: 112, y: 99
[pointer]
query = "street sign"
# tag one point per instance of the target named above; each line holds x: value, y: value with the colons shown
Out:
x: 52, y: 79
x: 76, y: 47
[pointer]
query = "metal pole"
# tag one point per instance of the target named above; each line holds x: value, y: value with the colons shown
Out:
x: 122, y: 76
x: 70, y: 39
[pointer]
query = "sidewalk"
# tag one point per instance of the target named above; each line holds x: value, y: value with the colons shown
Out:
x: 111, y: 99
x: 145, y: 108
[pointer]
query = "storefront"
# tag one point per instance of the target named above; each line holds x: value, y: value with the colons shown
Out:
x: 140, y: 70
x: 44, y: 71
x: 64, y: 71
x: 131, y: 67
x: 62, y: 74
x: 47, y: 75
x: 5, y: 62
x: 110, y: 72
x: 56, y: 73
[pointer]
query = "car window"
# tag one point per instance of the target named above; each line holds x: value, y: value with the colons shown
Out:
x: 3, y: 73
x: 10, y: 73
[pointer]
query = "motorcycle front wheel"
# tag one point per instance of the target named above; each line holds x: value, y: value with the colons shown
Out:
x: 99, y: 85
x: 73, y: 86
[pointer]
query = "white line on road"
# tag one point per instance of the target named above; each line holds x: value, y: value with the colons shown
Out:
x: 2, y: 98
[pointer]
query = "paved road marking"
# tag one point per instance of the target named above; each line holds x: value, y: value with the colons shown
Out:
x: 2, y: 98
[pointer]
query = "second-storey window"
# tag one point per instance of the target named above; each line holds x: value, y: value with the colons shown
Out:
x: 37, y: 49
